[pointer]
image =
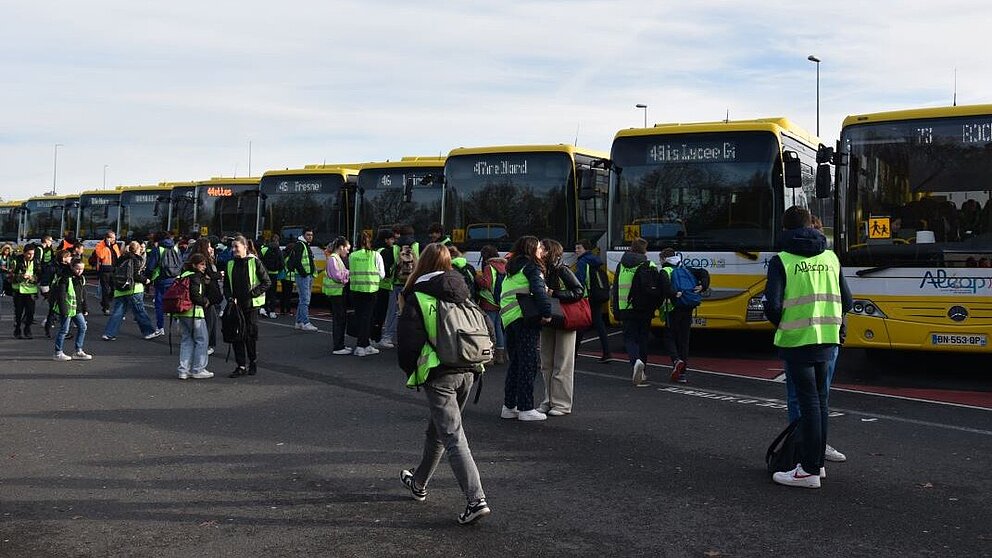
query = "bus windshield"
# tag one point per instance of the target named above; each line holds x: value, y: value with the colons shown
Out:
x: 294, y: 202
x: 383, y: 204
x: 70, y: 215
x: 918, y: 193
x: 9, y: 223
x: 97, y: 215
x: 44, y: 217
x: 496, y: 198
x: 182, y: 211
x: 705, y: 191
x: 143, y: 213
x: 225, y: 210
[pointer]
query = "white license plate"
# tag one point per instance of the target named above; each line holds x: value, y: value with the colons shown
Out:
x: 699, y: 322
x: 959, y: 339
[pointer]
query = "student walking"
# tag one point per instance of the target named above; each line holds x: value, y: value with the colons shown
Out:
x: 129, y: 283
x: 524, y: 277
x: 193, y: 356
x: 334, y: 283
x: 447, y: 389
x: 680, y: 288
x: 365, y: 272
x: 587, y: 271
x: 635, y: 307
x: 489, y: 285
x: 68, y: 295
x: 24, y: 280
x: 246, y: 281
x: 806, y: 298
x: 165, y: 265
x: 105, y: 256
x: 300, y: 263
x: 558, y: 345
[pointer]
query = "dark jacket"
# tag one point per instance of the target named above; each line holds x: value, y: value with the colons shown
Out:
x: 586, y: 262
x: 801, y: 242
x: 137, y: 265
x: 19, y: 267
x: 198, y: 285
x: 411, y: 335
x: 214, y: 283
x: 629, y: 259
x: 538, y: 288
x: 59, y: 295
x: 564, y: 285
x: 294, y: 260
x: 273, y: 258
x: 239, y: 279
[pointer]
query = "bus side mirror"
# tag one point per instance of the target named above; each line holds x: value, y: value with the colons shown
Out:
x: 589, y: 182
x: 793, y: 170
x: 823, y: 186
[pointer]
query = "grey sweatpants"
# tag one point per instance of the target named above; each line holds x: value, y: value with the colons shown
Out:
x: 447, y: 395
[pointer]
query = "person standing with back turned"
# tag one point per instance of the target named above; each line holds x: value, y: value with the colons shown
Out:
x: 365, y: 272
x: 806, y: 298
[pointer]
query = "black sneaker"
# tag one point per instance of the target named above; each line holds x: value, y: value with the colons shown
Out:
x: 474, y: 511
x: 238, y: 372
x: 605, y: 358
x: 419, y: 494
x: 17, y: 334
x: 27, y: 334
x: 252, y: 368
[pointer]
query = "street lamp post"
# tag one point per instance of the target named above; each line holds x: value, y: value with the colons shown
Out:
x: 645, y: 107
x: 105, y: 176
x: 816, y: 61
x: 55, y: 167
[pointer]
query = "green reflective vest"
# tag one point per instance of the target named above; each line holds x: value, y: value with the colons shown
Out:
x: 666, y: 305
x: 811, y: 307
x: 509, y: 308
x: 428, y: 359
x: 625, y: 279
x: 70, y: 298
x: 330, y: 286
x: 364, y: 276
x: 258, y: 301
x: 24, y: 287
x: 386, y: 283
x: 196, y: 311
x: 487, y: 294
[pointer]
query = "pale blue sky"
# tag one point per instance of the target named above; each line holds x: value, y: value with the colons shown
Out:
x: 175, y: 90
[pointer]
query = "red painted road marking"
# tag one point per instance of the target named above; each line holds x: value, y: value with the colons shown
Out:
x: 971, y: 398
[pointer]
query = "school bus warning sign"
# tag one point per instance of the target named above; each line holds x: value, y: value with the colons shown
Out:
x: 879, y: 228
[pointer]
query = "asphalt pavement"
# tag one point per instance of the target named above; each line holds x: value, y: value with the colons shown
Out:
x: 117, y: 457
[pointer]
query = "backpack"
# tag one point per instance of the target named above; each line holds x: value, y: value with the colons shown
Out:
x: 405, y: 263
x: 170, y: 264
x: 783, y: 453
x: 599, y: 285
x: 463, y: 338
x: 124, y: 275
x: 684, y: 281
x: 468, y: 273
x: 232, y: 323
x: 177, y: 298
x: 93, y: 261
x: 645, y: 293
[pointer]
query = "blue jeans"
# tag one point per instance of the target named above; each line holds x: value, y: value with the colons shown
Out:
x: 303, y: 285
x: 498, y: 327
x: 810, y: 379
x: 392, y: 315
x: 65, y: 322
x: 193, y: 347
x: 137, y: 305
x: 161, y: 285
x: 635, y: 338
x: 792, y: 400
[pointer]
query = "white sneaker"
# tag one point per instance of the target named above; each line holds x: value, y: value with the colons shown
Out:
x: 344, y: 351
x: 61, y: 356
x: 508, y: 413
x: 823, y: 472
x: 262, y: 312
x: 80, y: 355
x: 531, y: 415
x: 359, y: 352
x: 156, y: 333
x: 210, y: 351
x: 556, y: 413
x: 798, y: 478
x: 639, y: 377
x: 833, y: 455
x: 297, y: 325
x: 160, y: 331
x: 202, y: 375
x: 183, y: 375
x: 308, y: 327
x: 385, y: 344
x: 370, y: 350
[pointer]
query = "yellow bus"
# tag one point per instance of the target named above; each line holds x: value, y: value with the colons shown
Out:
x: 715, y: 192
x: 914, y: 228
x: 144, y: 210
x: 49, y: 215
x: 226, y: 207
x: 10, y: 221
x: 99, y: 211
x: 404, y: 192
x: 180, y: 204
x: 494, y: 195
x: 320, y: 197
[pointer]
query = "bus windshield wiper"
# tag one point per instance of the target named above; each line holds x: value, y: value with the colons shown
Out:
x: 753, y: 256
x: 872, y: 270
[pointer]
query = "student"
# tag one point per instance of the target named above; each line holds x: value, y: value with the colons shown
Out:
x: 273, y: 260
x: 586, y: 267
x: 406, y: 251
x: 436, y: 234
x: 334, y: 283
x: 447, y: 390
x: 489, y: 284
x: 105, y: 256
x: 165, y: 266
x: 384, y: 243
x: 132, y: 263
x: 24, y: 279
x: 365, y: 273
x: 245, y: 283
x: 68, y: 295
x: 676, y: 310
x: 524, y: 276
x: 214, y: 284
x: 558, y: 345
x: 806, y: 298
x: 636, y: 318
x: 6, y: 263
x: 60, y: 267
x: 193, y: 355
x: 300, y: 262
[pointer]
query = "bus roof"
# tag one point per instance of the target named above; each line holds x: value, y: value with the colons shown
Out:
x: 916, y: 114
x: 149, y: 188
x: 228, y: 181
x: 314, y: 169
x: 13, y: 203
x: 114, y: 192
x: 549, y: 148
x: 177, y: 184
x: 776, y: 125
x: 407, y: 162
x: 45, y: 198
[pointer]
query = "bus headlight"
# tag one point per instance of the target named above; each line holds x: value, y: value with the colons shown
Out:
x: 867, y: 308
x: 755, y: 310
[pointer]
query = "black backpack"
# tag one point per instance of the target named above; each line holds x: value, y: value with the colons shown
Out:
x: 232, y: 323
x: 124, y: 274
x: 170, y: 263
x: 645, y: 291
x: 599, y: 284
x: 783, y: 453
x: 468, y: 272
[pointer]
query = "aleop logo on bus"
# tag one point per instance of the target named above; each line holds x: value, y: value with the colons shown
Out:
x: 941, y: 281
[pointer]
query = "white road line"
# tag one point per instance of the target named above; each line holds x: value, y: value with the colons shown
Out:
x: 596, y: 338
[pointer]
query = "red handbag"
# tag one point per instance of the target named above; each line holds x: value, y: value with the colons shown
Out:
x: 578, y: 315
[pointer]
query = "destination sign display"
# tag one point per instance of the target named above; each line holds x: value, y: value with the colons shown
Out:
x: 46, y: 203
x: 144, y: 198
x: 220, y: 192
x: 391, y: 180
x: 500, y: 168
x: 693, y: 152
x: 299, y: 186
x: 101, y: 201
x: 969, y: 131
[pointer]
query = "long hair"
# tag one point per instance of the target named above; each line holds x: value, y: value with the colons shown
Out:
x: 365, y: 241
x: 195, y: 258
x: 553, y: 251
x: 202, y: 246
x: 435, y: 257
x: 488, y: 252
x: 526, y: 246
x: 134, y: 247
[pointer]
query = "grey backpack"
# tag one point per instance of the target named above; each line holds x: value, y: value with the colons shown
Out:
x: 463, y: 335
